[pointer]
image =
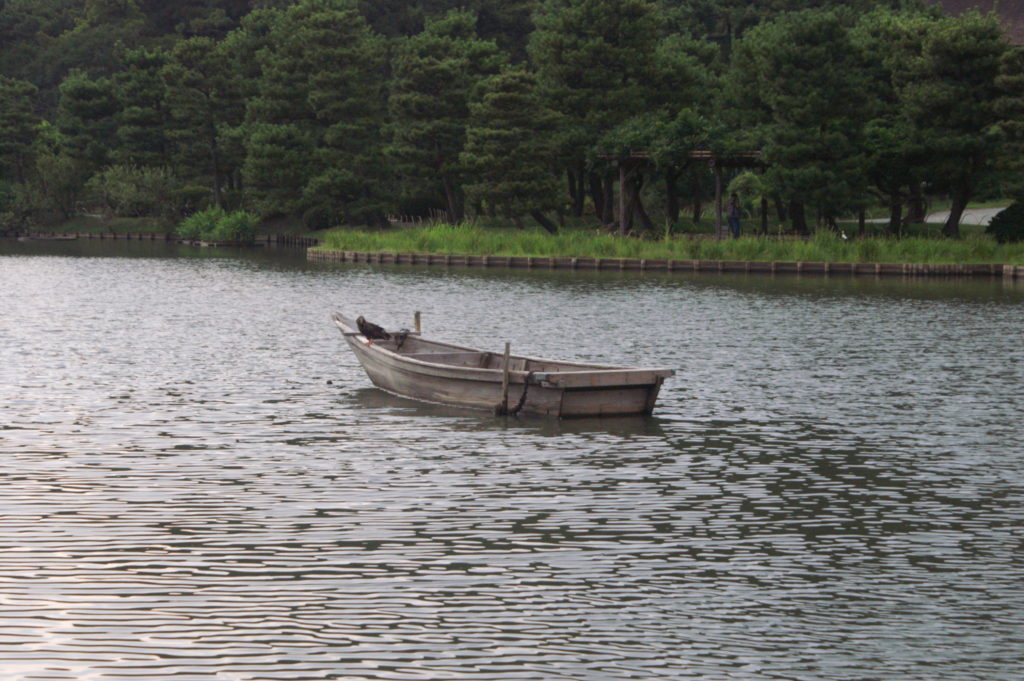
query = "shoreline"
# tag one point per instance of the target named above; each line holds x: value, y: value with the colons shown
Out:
x: 990, y: 270
x: 317, y: 253
x: 262, y: 240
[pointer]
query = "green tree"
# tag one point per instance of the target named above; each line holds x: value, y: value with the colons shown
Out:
x: 103, y: 29
x: 206, y: 106
x: 798, y: 84
x: 348, y: 103
x: 281, y: 133
x: 434, y: 73
x: 949, y: 91
x: 86, y: 118
x: 27, y: 28
x: 312, y: 130
x: 894, y: 156
x: 509, y: 148
x: 596, y: 62
x: 18, y: 125
x: 143, y: 119
x: 681, y: 81
x: 191, y: 18
x: 55, y: 181
x: 1010, y: 109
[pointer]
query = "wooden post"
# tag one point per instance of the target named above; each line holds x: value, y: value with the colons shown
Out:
x: 502, y: 407
x: 718, y: 199
x: 417, y: 321
x: 622, y: 198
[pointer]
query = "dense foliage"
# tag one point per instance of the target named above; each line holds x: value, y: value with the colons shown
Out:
x: 335, y: 112
x: 1008, y: 225
x: 217, y: 225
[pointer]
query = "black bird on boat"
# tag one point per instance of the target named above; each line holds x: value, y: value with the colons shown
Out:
x: 371, y: 330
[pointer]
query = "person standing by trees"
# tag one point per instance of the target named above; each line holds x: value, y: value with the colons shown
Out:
x: 733, y: 212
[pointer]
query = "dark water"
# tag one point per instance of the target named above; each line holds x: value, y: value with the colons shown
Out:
x: 198, y: 482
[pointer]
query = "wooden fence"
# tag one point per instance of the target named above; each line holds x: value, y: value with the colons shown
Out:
x: 651, y: 265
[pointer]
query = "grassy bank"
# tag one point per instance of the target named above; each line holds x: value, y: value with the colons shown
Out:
x: 89, y: 224
x: 824, y: 246
x: 92, y: 224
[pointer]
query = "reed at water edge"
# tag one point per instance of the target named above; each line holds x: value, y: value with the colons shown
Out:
x: 823, y: 246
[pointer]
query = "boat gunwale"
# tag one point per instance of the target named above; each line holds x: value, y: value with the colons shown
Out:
x: 349, y: 331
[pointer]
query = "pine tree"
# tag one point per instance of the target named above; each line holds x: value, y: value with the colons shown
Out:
x: 87, y: 119
x: 798, y: 82
x: 18, y: 126
x: 347, y: 100
x: 596, y: 62
x: 434, y: 74
x: 206, y: 105
x: 312, y: 129
x: 142, y: 121
x: 950, y: 93
x: 509, y: 149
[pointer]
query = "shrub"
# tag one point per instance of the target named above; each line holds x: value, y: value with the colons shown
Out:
x: 237, y: 226
x: 215, y: 224
x: 1008, y: 225
x: 202, y: 224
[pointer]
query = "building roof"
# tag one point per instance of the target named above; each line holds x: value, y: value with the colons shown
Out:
x: 1011, y: 12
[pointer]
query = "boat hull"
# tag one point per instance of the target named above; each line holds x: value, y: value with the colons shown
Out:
x: 582, y: 392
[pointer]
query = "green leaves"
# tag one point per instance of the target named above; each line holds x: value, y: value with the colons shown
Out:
x: 798, y: 80
x: 312, y: 129
x: 508, y: 153
x: 217, y: 225
x: 434, y: 75
x: 18, y: 124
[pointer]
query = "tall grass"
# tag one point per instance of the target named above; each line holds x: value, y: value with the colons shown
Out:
x: 468, y: 239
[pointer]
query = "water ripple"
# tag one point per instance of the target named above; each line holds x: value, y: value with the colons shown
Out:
x: 200, y: 484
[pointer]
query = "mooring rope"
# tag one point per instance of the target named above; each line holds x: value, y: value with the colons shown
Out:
x: 522, y: 398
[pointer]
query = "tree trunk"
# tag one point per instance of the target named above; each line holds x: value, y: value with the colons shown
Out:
x: 570, y: 179
x: 671, y: 195
x: 596, y: 195
x: 895, y: 213
x: 916, y: 213
x: 862, y: 228
x: 697, y: 208
x: 215, y: 163
x: 625, y: 202
x: 577, y: 194
x: 956, y: 211
x: 764, y: 215
x: 797, y: 215
x: 544, y: 222
x: 719, y: 232
x: 780, y: 209
x: 637, y: 182
x: 517, y: 221
x: 454, y: 208
x: 608, y: 209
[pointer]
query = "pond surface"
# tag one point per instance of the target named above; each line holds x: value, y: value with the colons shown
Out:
x: 199, y: 482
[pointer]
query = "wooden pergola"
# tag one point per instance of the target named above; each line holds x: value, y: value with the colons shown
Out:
x: 743, y: 159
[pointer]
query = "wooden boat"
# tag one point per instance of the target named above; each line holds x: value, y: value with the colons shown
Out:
x: 411, y: 366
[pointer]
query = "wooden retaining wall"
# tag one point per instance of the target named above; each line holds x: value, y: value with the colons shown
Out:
x: 645, y: 265
x: 267, y: 239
